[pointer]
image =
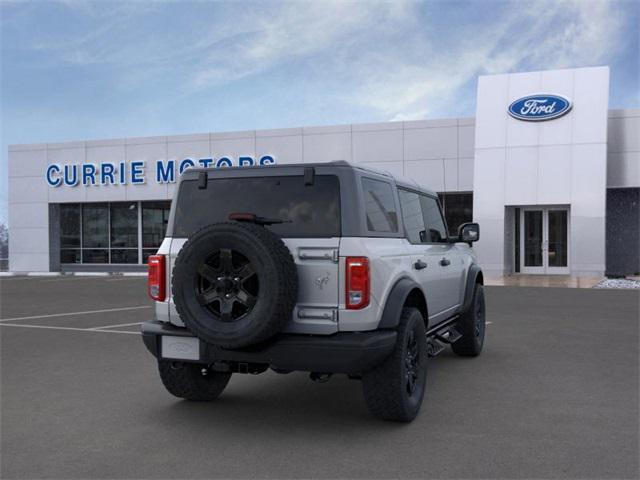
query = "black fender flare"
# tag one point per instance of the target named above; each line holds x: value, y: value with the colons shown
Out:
x: 473, y: 276
x: 396, y: 301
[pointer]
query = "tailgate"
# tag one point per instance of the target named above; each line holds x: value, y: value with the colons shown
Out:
x: 317, y: 262
x: 318, y: 283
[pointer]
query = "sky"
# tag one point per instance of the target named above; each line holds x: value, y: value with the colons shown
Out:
x: 76, y: 70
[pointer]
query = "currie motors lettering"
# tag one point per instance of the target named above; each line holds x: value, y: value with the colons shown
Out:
x: 536, y: 108
x: 134, y: 173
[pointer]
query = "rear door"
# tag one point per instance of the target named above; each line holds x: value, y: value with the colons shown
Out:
x: 433, y: 256
x: 444, y: 256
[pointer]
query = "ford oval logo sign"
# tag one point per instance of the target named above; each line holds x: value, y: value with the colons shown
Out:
x: 536, y: 108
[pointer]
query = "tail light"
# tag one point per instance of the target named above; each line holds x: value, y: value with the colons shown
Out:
x: 357, y: 282
x: 156, y: 279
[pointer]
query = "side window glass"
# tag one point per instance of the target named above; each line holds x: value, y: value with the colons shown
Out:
x: 412, y: 216
x: 380, y: 208
x: 436, y: 231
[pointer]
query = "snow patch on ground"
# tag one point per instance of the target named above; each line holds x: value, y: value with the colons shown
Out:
x: 618, y: 283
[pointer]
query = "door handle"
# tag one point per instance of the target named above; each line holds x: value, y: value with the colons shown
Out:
x: 419, y: 265
x: 445, y: 261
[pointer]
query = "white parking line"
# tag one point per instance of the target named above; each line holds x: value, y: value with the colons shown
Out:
x: 87, y: 312
x: 104, y: 329
x: 48, y: 327
x: 122, y: 279
x: 18, y: 279
x: 68, y: 278
x: 114, y: 326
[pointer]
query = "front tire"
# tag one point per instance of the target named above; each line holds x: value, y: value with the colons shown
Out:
x: 395, y: 389
x: 472, y: 326
x: 192, y: 381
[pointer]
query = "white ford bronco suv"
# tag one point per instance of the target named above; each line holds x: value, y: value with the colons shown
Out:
x: 329, y: 268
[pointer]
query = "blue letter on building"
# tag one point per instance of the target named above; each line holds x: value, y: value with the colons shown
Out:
x: 267, y: 160
x: 166, y: 174
x: 88, y: 174
x: 137, y: 172
x: 224, y: 162
x: 184, y: 164
x: 106, y: 172
x: 51, y: 169
x: 71, y: 175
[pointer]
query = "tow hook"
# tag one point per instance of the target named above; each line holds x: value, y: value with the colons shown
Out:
x: 320, y: 377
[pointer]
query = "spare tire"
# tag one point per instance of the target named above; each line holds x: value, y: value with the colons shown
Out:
x: 234, y: 284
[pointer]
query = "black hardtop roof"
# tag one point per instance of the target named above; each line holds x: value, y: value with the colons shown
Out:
x: 400, y: 181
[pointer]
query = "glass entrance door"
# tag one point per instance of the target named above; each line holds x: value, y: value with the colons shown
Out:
x: 533, y: 239
x: 544, y: 240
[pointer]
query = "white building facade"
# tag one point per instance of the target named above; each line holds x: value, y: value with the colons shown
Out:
x: 550, y: 173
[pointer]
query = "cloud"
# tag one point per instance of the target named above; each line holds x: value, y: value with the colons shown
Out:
x: 525, y: 36
x: 401, y: 60
x: 293, y: 31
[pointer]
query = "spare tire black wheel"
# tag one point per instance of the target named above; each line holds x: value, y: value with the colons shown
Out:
x: 234, y: 284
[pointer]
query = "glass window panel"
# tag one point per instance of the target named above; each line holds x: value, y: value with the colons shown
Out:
x: 146, y: 253
x: 436, y: 231
x: 95, y: 225
x: 380, y: 208
x: 69, y: 225
x: 412, y: 215
x: 126, y: 255
x: 308, y: 210
x: 70, y: 255
x: 457, y: 209
x: 155, y: 216
x: 124, y: 225
x: 558, y: 238
x: 532, y: 238
x: 95, y: 256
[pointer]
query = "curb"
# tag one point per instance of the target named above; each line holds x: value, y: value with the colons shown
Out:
x: 73, y: 274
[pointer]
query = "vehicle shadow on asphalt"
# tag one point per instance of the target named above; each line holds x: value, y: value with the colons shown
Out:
x: 275, y: 402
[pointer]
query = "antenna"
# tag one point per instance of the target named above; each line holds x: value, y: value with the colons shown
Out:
x: 444, y: 190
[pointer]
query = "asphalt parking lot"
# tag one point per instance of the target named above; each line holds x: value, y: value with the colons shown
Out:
x: 554, y: 395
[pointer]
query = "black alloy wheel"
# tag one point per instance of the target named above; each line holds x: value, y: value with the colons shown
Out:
x: 234, y: 284
x: 227, y: 285
x: 479, y: 320
x: 412, y: 363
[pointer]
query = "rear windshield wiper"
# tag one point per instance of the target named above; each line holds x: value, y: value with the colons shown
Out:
x: 253, y: 218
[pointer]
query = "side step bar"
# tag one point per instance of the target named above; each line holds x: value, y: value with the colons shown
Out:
x: 441, y: 335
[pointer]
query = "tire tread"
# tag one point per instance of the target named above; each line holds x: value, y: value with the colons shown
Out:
x: 466, y: 346
x: 187, y: 382
x: 381, y: 386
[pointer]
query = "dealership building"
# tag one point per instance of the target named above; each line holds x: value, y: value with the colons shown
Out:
x: 548, y: 170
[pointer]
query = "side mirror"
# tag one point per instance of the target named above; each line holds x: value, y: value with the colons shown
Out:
x: 469, y: 232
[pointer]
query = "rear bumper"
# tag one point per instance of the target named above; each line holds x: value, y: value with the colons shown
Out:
x: 344, y: 352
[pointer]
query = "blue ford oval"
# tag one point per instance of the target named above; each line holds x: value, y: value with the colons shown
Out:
x: 536, y: 108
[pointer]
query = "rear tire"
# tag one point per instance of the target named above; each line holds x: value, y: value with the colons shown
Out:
x: 192, y: 381
x: 472, y: 326
x: 395, y: 389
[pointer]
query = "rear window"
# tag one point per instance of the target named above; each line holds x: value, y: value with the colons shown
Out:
x: 308, y: 210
